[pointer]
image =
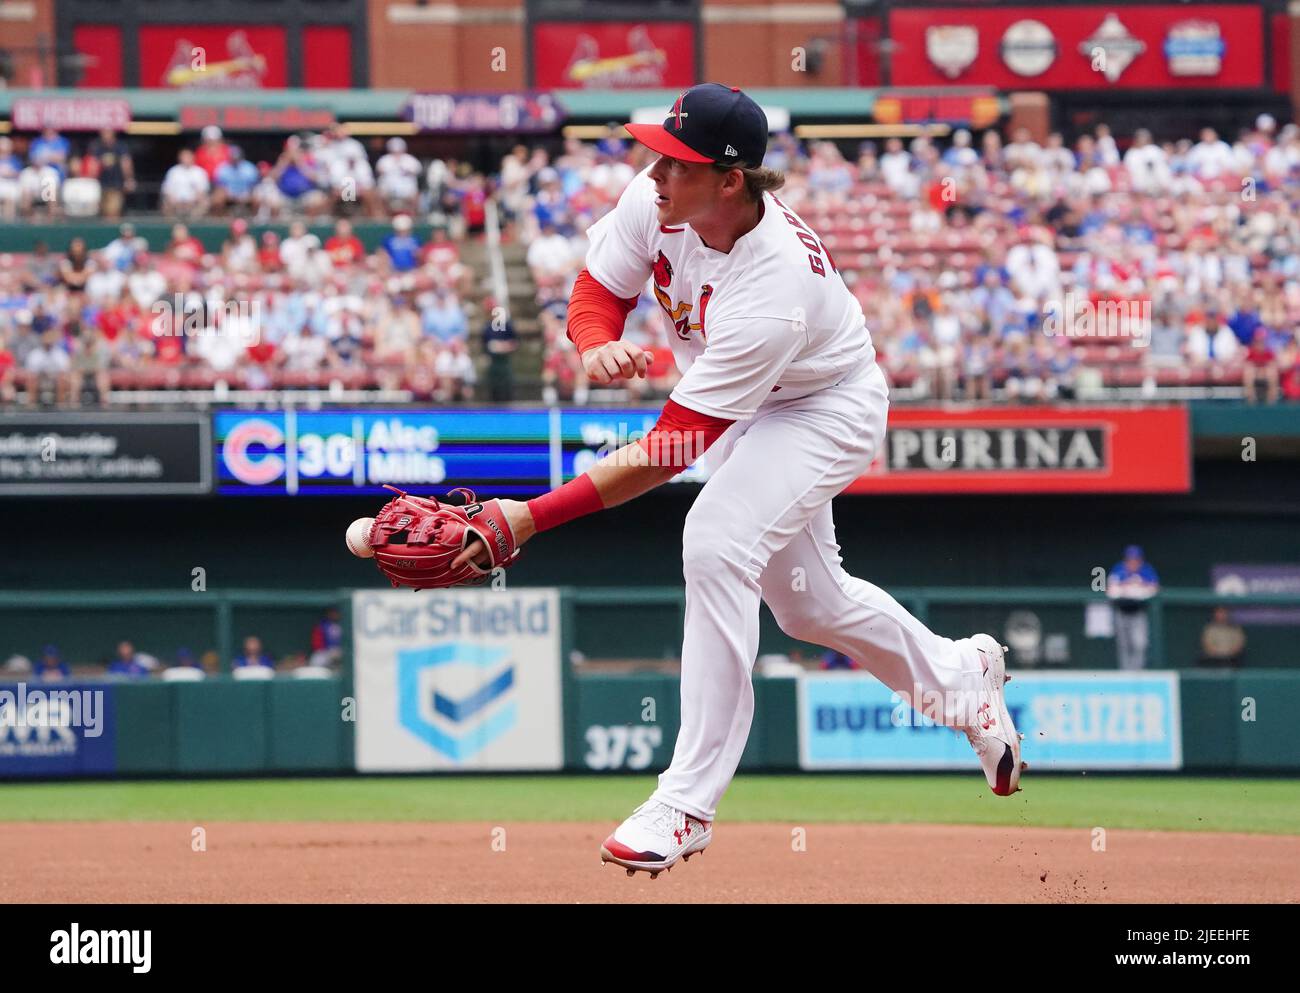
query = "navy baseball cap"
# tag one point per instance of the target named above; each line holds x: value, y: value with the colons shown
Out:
x: 1133, y: 552
x: 709, y: 123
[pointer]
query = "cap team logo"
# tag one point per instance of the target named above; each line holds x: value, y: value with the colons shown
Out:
x: 663, y: 270
x: 676, y: 114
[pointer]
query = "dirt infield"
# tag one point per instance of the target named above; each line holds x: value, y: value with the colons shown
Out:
x: 559, y: 863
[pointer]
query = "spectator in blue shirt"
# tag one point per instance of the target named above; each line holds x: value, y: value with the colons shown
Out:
x: 253, y: 655
x: 1245, y: 320
x: 1132, y: 583
x: 50, y: 149
x: 401, y: 247
x: 993, y: 298
x: 185, y: 660
x: 444, y: 318
x: 52, y: 667
x: 235, y: 180
x: 299, y: 179
x: 129, y: 662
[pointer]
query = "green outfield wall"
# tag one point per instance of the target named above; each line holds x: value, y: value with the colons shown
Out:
x: 290, y: 726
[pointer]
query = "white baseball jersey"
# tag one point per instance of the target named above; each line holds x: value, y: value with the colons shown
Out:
x: 770, y: 320
x: 771, y: 313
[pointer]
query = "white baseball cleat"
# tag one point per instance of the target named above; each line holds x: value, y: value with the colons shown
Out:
x: 993, y: 736
x: 654, y: 838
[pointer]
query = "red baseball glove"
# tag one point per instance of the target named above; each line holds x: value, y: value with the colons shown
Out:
x: 415, y: 539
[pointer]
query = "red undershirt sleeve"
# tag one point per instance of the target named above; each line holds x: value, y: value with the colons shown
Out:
x: 596, y: 315
x: 682, y: 435
x: 679, y: 437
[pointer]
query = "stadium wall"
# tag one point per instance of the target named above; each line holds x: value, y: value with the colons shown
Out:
x: 1224, y: 722
x: 1237, y: 512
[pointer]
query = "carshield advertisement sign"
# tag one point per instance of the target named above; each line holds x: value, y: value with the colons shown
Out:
x: 457, y: 679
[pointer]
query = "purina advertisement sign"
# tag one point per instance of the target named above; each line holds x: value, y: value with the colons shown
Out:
x: 1033, y: 450
x: 1077, y: 720
x: 463, y: 679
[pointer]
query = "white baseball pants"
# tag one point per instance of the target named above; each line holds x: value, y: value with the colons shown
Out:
x: 761, y: 529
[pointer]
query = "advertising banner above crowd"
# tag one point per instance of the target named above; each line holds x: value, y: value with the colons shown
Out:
x: 1033, y: 450
x: 614, y: 56
x: 70, y: 114
x: 499, y: 452
x: 50, y: 729
x: 97, y: 454
x: 1128, y: 46
x: 215, y: 57
x: 484, y: 113
x: 528, y: 451
x: 1077, y: 720
x: 458, y: 679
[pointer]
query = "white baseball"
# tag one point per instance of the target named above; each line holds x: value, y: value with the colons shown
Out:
x: 359, y: 537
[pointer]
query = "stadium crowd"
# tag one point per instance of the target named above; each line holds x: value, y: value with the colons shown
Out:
x: 986, y: 269
x: 323, y: 653
x: 1035, y: 272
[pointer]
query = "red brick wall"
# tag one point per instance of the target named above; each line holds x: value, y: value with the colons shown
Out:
x: 414, y: 47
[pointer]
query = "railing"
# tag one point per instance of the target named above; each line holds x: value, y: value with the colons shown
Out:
x: 221, y: 625
x: 1175, y: 617
x: 622, y: 622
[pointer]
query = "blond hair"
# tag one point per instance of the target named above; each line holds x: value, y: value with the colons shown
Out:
x: 758, y: 180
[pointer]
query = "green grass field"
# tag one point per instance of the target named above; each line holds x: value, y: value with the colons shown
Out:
x: 1270, y: 806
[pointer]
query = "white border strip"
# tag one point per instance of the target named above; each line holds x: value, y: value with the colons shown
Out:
x: 778, y: 13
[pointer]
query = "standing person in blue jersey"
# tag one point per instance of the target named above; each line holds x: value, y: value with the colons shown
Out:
x: 327, y: 639
x: 1131, y: 586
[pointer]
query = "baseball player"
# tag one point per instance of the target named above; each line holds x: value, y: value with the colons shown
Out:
x: 780, y: 384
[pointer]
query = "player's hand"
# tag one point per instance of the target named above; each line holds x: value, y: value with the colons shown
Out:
x: 520, y: 519
x: 615, y: 360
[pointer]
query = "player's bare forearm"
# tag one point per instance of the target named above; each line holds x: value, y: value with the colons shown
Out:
x: 619, y: 477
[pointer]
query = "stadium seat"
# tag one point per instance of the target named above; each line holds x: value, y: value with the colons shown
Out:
x: 182, y: 674
x: 253, y: 672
